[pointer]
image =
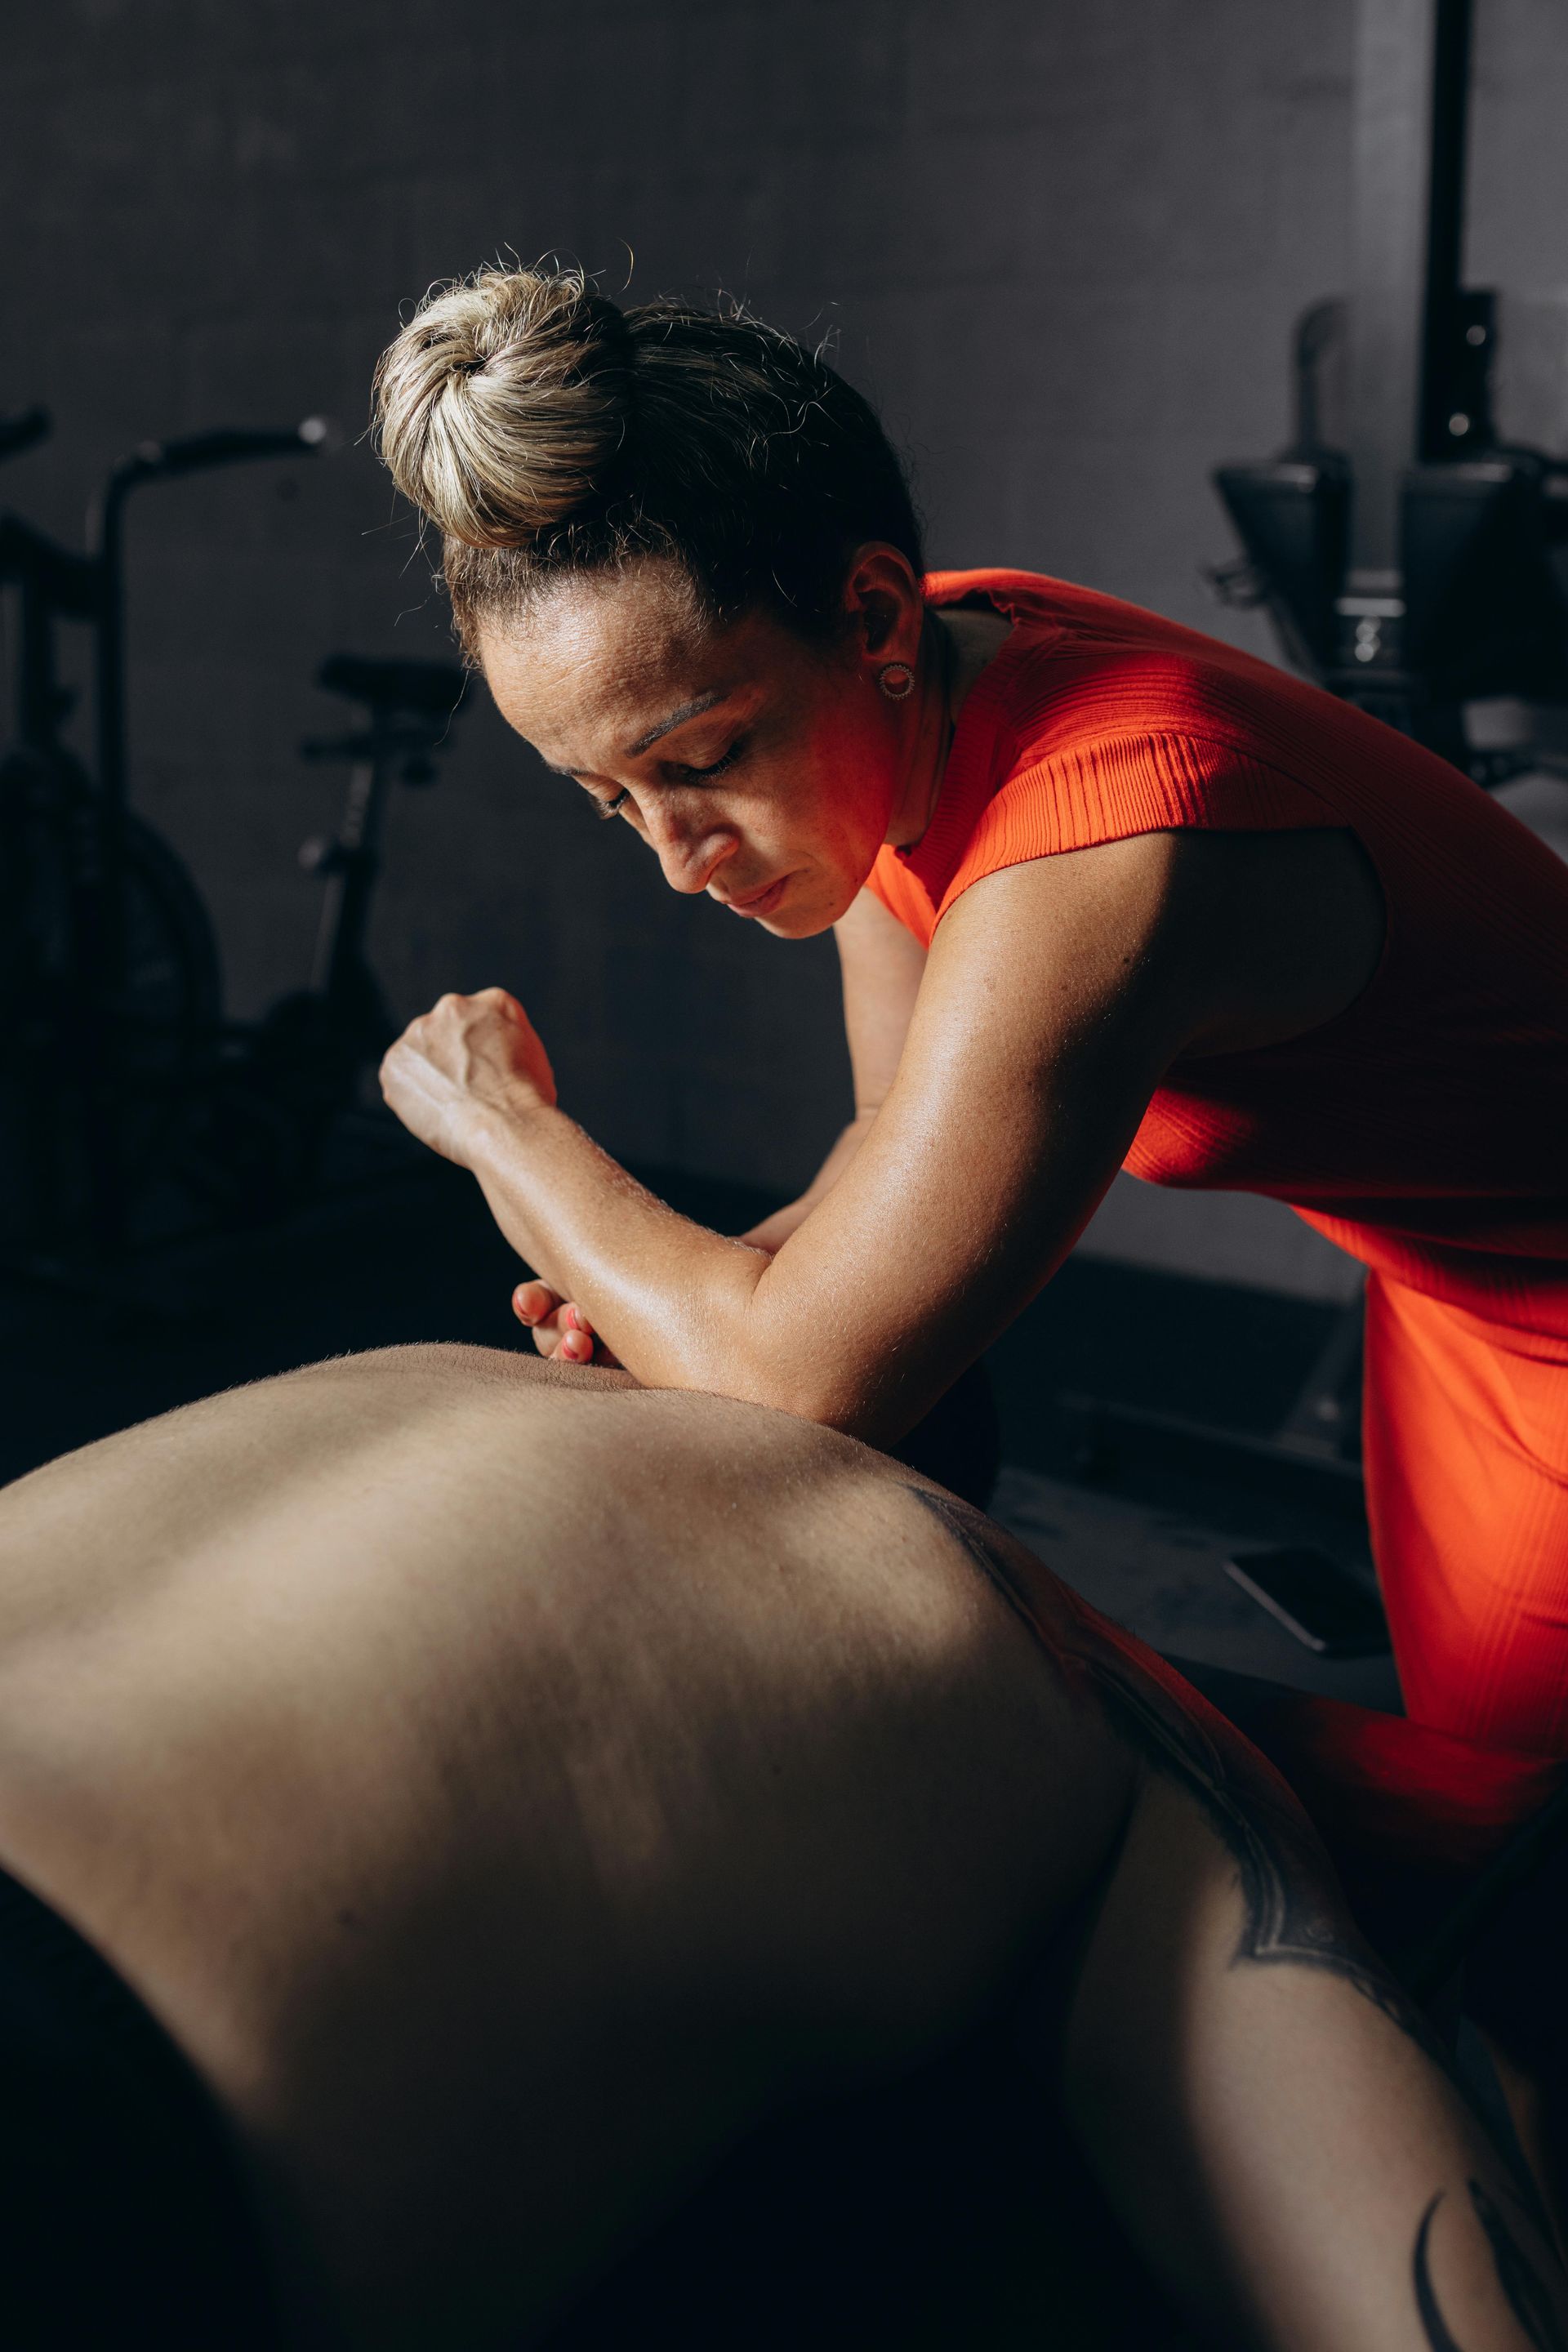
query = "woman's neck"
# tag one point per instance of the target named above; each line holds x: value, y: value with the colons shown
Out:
x: 955, y: 648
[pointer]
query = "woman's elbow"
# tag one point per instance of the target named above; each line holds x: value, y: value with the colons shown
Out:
x: 768, y: 1354
x: 836, y: 1399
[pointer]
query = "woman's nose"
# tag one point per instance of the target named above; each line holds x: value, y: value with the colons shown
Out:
x: 690, y: 849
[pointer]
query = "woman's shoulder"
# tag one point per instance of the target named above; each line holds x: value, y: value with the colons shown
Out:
x: 1083, y: 667
x: 1071, y: 612
x: 1097, y: 720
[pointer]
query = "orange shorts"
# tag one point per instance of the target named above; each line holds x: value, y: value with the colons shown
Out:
x: 1465, y: 1444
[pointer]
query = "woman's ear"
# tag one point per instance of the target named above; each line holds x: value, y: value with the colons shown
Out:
x: 884, y: 603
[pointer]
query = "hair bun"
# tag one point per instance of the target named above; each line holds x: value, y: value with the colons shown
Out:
x: 501, y: 402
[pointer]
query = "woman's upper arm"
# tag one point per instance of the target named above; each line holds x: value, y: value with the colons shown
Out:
x: 1051, y: 1004
x: 881, y: 965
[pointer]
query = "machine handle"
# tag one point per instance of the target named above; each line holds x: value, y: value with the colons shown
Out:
x: 195, y: 451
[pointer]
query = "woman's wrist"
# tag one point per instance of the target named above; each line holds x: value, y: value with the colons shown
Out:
x: 488, y: 1129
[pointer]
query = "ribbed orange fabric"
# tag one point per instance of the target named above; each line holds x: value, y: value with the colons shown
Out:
x: 1466, y: 1440
x: 1424, y: 1131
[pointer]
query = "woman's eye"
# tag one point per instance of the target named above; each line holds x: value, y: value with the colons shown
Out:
x: 718, y: 768
x: 674, y: 768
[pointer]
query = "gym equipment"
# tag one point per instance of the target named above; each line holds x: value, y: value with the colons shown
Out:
x: 258, y: 1130
x: 108, y: 973
x: 128, y: 1104
x: 50, y: 893
x: 1423, y: 565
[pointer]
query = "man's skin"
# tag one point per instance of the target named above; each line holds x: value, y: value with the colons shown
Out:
x: 508, y: 1784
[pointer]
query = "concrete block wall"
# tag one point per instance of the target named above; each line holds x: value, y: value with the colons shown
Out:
x: 1062, y: 244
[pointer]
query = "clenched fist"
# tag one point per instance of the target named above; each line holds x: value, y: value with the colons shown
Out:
x: 469, y: 1058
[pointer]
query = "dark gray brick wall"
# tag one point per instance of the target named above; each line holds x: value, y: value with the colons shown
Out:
x: 1062, y: 244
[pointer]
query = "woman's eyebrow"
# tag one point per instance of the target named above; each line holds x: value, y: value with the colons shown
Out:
x: 676, y: 718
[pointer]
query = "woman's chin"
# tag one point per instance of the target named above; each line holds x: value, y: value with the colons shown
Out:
x: 813, y: 904
x: 800, y: 914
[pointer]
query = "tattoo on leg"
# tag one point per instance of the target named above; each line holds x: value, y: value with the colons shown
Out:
x: 1292, y: 1910
x: 1434, y: 2325
x: 1523, y: 2290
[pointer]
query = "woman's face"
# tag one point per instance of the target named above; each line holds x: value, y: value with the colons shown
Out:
x: 762, y: 768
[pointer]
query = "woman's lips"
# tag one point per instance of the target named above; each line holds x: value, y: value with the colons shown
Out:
x: 760, y: 902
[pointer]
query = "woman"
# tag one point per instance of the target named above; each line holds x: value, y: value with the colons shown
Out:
x: 1106, y: 893
x: 446, y: 1800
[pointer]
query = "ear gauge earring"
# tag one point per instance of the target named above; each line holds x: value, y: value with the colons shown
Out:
x: 897, y: 681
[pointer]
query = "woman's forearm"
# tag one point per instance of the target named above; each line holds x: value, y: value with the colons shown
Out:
x: 670, y: 1299
x: 680, y: 1306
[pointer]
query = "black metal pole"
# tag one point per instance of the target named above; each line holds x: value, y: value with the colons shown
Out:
x: 1411, y: 83
x: 1436, y: 434
x: 105, y: 943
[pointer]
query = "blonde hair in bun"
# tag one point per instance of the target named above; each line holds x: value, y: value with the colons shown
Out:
x: 545, y: 432
x: 502, y: 401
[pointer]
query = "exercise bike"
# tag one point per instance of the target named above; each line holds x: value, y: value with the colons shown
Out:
x: 260, y: 1122
x: 108, y: 973
x: 129, y: 1107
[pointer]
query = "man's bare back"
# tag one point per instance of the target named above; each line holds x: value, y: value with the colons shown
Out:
x: 505, y: 1784
x: 512, y: 1734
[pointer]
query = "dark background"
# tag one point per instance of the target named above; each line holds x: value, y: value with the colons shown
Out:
x: 1062, y: 245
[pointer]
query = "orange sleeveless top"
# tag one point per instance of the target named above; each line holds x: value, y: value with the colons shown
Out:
x: 1426, y: 1128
